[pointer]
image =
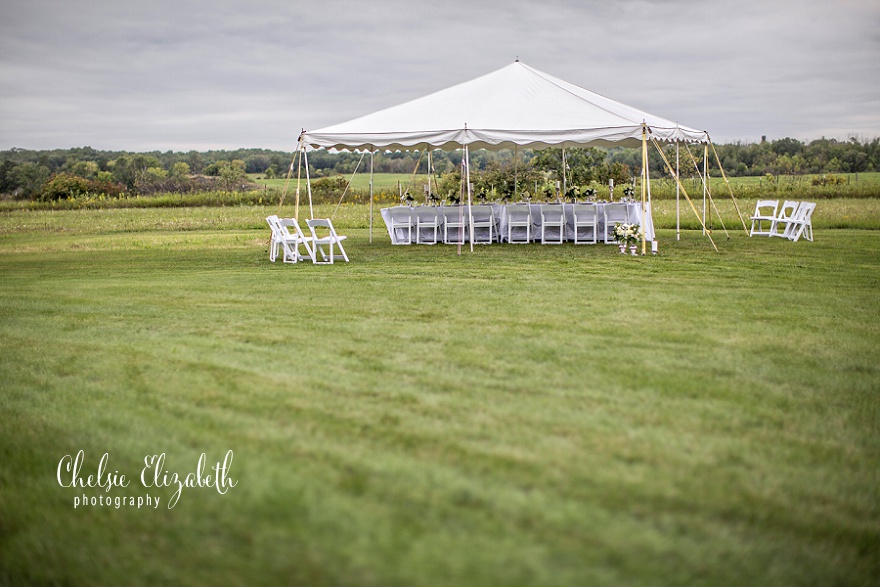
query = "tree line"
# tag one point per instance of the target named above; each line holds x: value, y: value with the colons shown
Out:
x: 60, y: 173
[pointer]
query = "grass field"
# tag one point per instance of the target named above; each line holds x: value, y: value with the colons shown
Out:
x: 520, y: 415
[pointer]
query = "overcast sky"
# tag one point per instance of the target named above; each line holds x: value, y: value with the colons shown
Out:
x: 177, y: 74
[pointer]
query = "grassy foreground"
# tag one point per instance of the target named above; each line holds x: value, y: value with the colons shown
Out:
x: 522, y: 415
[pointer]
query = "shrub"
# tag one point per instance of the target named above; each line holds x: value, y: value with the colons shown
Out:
x: 329, y: 185
x: 66, y: 185
x: 829, y: 179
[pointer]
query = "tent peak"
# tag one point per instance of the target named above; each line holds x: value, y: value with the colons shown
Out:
x: 514, y: 105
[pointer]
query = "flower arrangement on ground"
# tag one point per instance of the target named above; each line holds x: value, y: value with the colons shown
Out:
x: 628, y: 234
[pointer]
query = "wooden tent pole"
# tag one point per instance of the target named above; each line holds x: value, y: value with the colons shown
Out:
x: 308, y: 185
x: 677, y: 195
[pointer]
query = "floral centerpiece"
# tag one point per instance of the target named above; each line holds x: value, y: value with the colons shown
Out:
x: 628, y: 234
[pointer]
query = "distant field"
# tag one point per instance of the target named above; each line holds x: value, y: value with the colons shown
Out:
x: 361, y: 181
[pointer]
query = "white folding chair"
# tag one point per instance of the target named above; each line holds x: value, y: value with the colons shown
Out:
x: 275, y: 239
x: 552, y: 216
x: 519, y: 216
x: 585, y: 216
x: 329, y: 239
x: 427, y: 218
x: 614, y: 214
x: 301, y: 239
x: 785, y: 214
x: 801, y: 223
x: 402, y: 219
x: 483, y: 218
x: 289, y: 243
x: 765, y: 212
x: 456, y: 218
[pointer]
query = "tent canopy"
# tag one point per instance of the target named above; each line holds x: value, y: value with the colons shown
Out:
x: 515, y: 105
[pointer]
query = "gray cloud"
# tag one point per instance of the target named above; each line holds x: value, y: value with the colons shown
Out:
x: 180, y: 75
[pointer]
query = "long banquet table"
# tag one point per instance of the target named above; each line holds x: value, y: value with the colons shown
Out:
x: 634, y: 213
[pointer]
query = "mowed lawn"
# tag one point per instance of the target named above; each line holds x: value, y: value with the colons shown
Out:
x: 519, y: 415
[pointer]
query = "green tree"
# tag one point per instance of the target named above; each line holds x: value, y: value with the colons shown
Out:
x: 619, y: 172
x: 86, y: 169
x: 180, y: 170
x: 581, y: 164
x: 7, y: 184
x: 231, y: 173
x: 132, y: 171
x: 29, y: 179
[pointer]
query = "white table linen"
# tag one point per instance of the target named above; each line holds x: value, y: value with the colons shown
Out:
x: 634, y: 212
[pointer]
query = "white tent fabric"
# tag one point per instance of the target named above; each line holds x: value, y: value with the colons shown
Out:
x: 515, y: 105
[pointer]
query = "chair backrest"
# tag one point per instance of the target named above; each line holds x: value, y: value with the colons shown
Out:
x: 552, y: 212
x: 809, y: 207
x: 454, y: 214
x: 401, y: 214
x: 280, y: 226
x: 321, y: 223
x: 766, y: 207
x: 799, y: 213
x: 427, y: 214
x: 788, y: 209
x: 796, y: 220
x: 482, y: 213
x: 615, y: 213
x: 292, y: 223
x: 585, y: 212
x: 519, y: 213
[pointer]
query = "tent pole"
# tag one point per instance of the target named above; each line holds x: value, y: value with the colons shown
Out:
x: 677, y: 196
x: 298, y: 157
x: 644, y: 184
x: 467, y: 166
x: 308, y: 185
x: 704, y: 207
x: 515, y: 170
x: 650, y: 206
x: 430, y: 167
x: 564, y: 175
x: 706, y: 178
x: 371, y: 194
x: 298, y: 181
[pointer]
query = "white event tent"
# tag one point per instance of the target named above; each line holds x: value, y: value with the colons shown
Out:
x: 515, y: 106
